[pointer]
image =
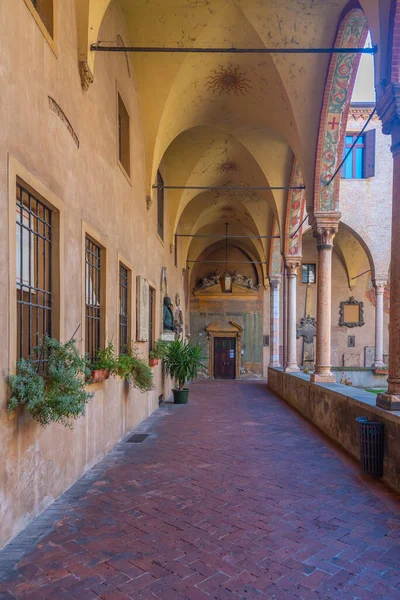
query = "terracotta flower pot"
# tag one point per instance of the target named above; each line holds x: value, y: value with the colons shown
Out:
x: 100, y: 375
x: 153, y: 362
x: 381, y: 371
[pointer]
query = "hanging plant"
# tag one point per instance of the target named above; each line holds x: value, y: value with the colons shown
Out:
x: 104, y: 364
x: 135, y: 369
x: 59, y: 394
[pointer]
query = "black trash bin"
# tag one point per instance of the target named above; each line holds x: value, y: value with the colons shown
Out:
x: 371, y: 446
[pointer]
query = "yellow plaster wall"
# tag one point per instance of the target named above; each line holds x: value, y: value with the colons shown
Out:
x: 38, y: 464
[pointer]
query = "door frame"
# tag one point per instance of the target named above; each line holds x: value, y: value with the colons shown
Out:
x: 225, y: 329
x: 220, y: 337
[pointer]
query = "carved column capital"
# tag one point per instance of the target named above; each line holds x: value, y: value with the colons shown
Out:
x: 275, y: 281
x: 86, y: 75
x: 388, y: 109
x: 325, y: 226
x: 379, y: 285
x: 292, y: 266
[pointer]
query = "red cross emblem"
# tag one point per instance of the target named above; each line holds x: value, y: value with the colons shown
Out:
x: 333, y: 123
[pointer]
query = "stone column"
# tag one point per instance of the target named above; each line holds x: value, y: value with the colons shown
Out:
x: 325, y: 227
x: 292, y: 267
x: 275, y: 283
x: 379, y: 290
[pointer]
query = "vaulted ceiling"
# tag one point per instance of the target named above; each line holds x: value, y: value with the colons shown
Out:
x: 229, y: 119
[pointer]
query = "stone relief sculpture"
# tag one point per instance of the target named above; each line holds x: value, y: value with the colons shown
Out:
x: 178, y: 315
x: 237, y: 279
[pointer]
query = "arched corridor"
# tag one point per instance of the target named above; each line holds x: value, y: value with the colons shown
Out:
x: 231, y: 497
x: 197, y: 175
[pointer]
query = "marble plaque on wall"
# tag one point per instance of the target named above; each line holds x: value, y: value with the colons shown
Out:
x: 369, y: 356
x: 351, y: 360
x: 335, y: 356
x: 142, y: 309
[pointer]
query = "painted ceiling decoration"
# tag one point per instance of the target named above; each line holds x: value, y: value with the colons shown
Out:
x: 228, y: 79
x: 341, y: 76
x: 275, y: 265
x: 228, y: 166
x: 295, y: 213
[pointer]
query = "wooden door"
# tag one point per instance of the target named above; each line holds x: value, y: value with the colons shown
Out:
x: 224, y: 358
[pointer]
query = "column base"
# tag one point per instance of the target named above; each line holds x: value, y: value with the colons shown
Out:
x: 379, y: 364
x: 323, y: 378
x: 388, y: 401
x: 275, y: 365
x: 292, y: 369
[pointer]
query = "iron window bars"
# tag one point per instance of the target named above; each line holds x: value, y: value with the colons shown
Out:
x: 151, y: 318
x: 33, y: 273
x: 309, y: 273
x: 123, y: 308
x: 92, y: 292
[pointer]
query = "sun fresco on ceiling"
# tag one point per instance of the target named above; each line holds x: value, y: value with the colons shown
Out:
x: 228, y: 80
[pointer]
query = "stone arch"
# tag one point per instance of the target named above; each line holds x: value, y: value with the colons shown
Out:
x: 89, y: 16
x: 295, y: 209
x: 340, y: 81
x: 352, y: 248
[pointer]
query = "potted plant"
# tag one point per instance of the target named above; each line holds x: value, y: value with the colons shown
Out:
x: 104, y: 364
x: 157, y: 353
x: 135, y: 370
x: 383, y: 370
x: 182, y: 362
x: 58, y: 394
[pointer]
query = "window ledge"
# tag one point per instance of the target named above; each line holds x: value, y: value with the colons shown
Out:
x: 50, y: 40
x: 127, y: 177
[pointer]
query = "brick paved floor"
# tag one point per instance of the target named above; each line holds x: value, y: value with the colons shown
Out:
x: 232, y: 497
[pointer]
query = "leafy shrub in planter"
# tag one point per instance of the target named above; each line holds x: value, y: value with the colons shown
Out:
x: 105, y: 360
x: 182, y: 362
x: 135, y: 369
x: 159, y: 349
x: 58, y: 395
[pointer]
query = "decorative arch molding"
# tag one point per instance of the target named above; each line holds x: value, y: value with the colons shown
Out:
x: 224, y: 329
x: 89, y: 16
x: 353, y: 31
x: 275, y: 258
x: 294, y: 213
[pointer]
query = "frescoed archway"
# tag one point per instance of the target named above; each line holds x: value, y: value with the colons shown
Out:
x: 342, y: 73
x: 295, y: 210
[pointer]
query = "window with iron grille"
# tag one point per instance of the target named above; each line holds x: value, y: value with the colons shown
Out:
x: 152, y: 295
x: 123, y: 308
x: 309, y: 273
x: 34, y: 272
x: 160, y: 205
x: 93, y: 298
